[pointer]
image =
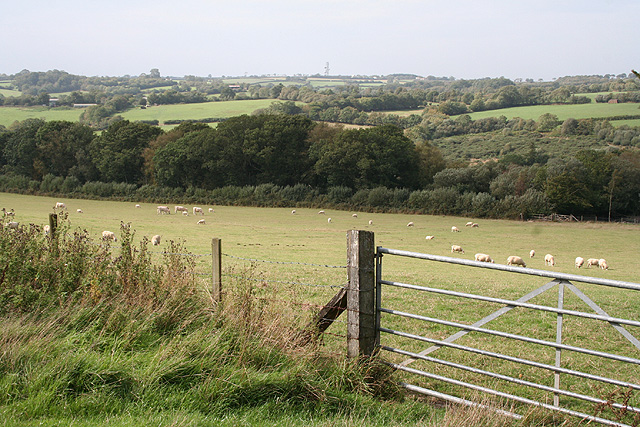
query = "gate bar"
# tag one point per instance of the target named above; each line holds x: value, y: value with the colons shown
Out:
x: 522, y: 270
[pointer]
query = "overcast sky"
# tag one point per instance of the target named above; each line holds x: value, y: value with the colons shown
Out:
x: 540, y: 39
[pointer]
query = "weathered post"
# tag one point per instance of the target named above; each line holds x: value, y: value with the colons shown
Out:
x: 53, y: 224
x: 361, y: 330
x: 216, y: 267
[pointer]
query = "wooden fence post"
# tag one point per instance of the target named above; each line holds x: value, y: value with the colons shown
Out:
x: 53, y: 224
x: 216, y: 267
x: 361, y: 326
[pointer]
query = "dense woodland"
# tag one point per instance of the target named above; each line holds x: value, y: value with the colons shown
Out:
x: 286, y: 155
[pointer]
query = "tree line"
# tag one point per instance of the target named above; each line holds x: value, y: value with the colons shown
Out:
x: 282, y: 159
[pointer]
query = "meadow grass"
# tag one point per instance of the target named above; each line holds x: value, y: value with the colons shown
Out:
x: 4, y: 91
x: 275, y: 234
x: 631, y: 123
x: 577, y: 111
x: 8, y: 115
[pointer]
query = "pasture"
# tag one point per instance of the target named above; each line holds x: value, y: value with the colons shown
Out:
x: 578, y: 111
x: 303, y: 248
x: 8, y: 115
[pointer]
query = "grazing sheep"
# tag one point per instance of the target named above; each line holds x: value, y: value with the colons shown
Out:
x: 180, y: 209
x: 60, y: 205
x: 329, y: 220
x: 320, y: 212
x: 109, y: 235
x: 370, y: 222
x: 579, y: 262
x: 429, y: 237
x: 483, y: 258
x: 355, y: 215
x: 532, y: 253
x: 197, y: 210
x: 515, y: 260
x: 549, y: 260
x: 12, y: 225
x: 185, y: 213
x: 155, y: 240
x: 164, y: 210
x: 201, y: 221
x: 603, y: 264
x: 79, y: 210
x: 410, y: 224
x: 455, y: 229
x: 475, y: 225
x: 138, y: 206
x: 456, y: 248
x: 293, y: 212
x: 593, y: 261
x: 211, y: 210
x: 469, y: 224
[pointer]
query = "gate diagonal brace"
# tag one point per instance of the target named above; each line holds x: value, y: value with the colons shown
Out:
x: 487, y: 319
x: 330, y: 312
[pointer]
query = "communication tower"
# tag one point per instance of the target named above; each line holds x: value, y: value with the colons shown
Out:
x: 326, y: 70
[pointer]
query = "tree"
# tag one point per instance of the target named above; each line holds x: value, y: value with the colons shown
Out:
x: 59, y: 145
x: 547, y: 122
x: 20, y: 148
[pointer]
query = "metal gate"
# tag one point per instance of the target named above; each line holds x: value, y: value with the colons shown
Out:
x: 569, y: 373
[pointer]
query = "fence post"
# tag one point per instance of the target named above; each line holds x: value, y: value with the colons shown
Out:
x: 216, y: 267
x: 53, y: 224
x: 361, y: 330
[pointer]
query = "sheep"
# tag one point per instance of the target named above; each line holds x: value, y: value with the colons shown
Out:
x: 549, y: 260
x: 12, y: 225
x: 329, y: 220
x: 593, y: 261
x: 515, y: 260
x: 429, y: 237
x: 201, y: 221
x: 185, y: 213
x: 155, y: 240
x: 410, y: 224
x: 475, y: 225
x: 483, y: 258
x: 60, y: 205
x: 320, y: 212
x: 138, y: 206
x: 455, y: 229
x: 180, y: 209
x: 210, y: 210
x: 197, y: 210
x: 164, y: 210
x: 603, y: 264
x: 532, y: 253
x: 370, y: 222
x: 293, y: 212
x: 469, y: 224
x: 355, y: 215
x: 79, y: 210
x: 109, y: 235
x: 456, y: 248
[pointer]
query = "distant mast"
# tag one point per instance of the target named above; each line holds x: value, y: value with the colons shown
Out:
x: 326, y: 70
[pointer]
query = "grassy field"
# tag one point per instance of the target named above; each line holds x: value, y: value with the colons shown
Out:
x: 9, y: 115
x: 4, y: 91
x: 291, y: 242
x: 579, y: 111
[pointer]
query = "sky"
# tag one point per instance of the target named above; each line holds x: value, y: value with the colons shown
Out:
x: 465, y: 39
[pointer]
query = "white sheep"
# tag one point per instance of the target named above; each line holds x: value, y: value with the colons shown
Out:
x: 329, y: 220
x: 109, y: 235
x: 79, y: 210
x: 155, y: 240
x: 483, y: 258
x: 532, y: 253
x: 60, y: 205
x: 429, y: 237
x: 185, y: 213
x: 475, y: 225
x: 455, y: 229
x: 579, y: 262
x: 138, y: 206
x: 201, y: 221
x: 197, y: 210
x: 370, y: 222
x: 355, y: 215
x: 549, y: 260
x: 469, y: 224
x: 164, y: 210
x: 515, y: 260
x: 410, y: 224
x: 180, y: 209
x: 603, y: 264
x: 211, y: 210
x: 456, y: 248
x: 12, y: 225
x: 320, y: 212
x: 593, y: 261
x: 293, y: 212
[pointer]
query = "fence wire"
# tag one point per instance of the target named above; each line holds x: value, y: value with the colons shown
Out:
x: 285, y: 262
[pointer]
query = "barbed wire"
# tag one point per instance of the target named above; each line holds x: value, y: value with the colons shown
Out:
x: 285, y: 262
x: 284, y: 281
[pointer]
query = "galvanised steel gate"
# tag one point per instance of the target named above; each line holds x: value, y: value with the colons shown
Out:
x: 625, y: 379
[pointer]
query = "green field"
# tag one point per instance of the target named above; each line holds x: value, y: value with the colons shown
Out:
x: 578, y: 111
x: 8, y: 92
x: 631, y: 123
x: 9, y: 115
x: 251, y: 236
